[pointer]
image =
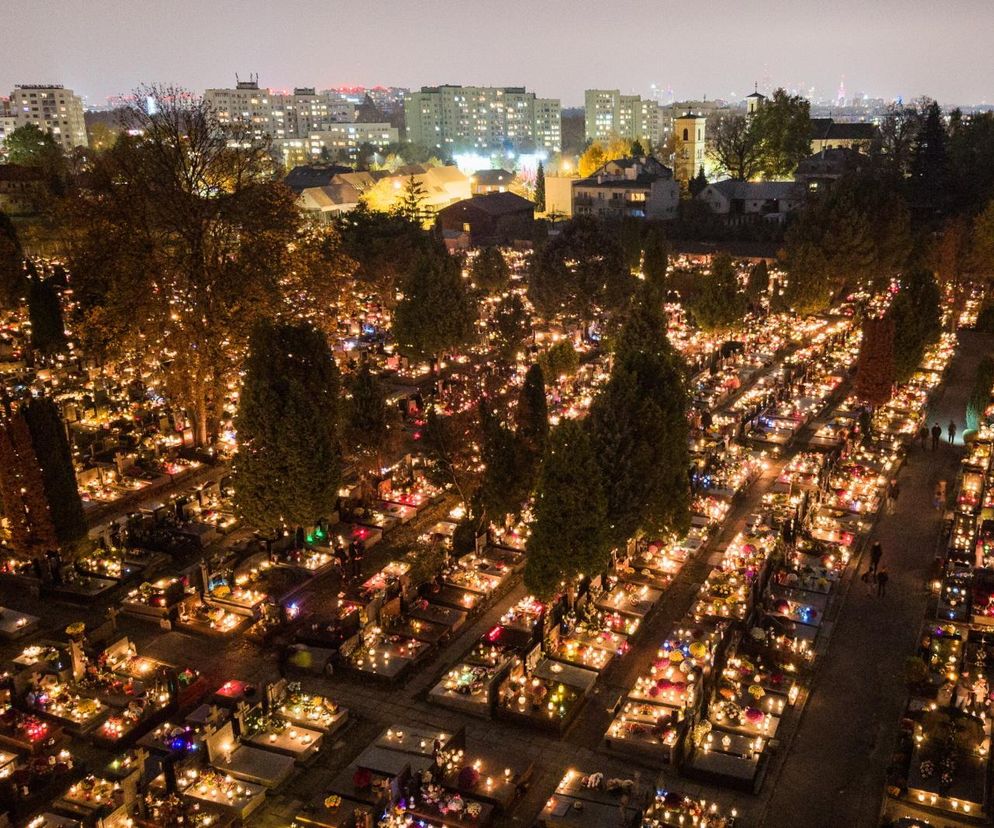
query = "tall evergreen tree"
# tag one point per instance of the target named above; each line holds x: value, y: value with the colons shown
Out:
x: 51, y: 447
x: 698, y: 183
x: 568, y: 535
x: 505, y: 485
x: 48, y: 328
x: 13, y: 283
x: 640, y: 430
x: 655, y: 256
x: 532, y: 422
x: 930, y: 167
x: 917, y: 321
x: 719, y: 305
x: 490, y: 271
x: 367, y: 418
x: 436, y: 313
x: 540, y: 188
x: 288, y: 465
x: 412, y: 201
x: 875, y: 372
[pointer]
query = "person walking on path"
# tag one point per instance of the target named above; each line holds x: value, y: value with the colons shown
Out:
x: 923, y: 436
x: 951, y: 430
x: 893, y: 490
x: 936, y: 436
x: 939, y: 501
x: 882, y: 578
x: 870, y: 579
x: 876, y: 553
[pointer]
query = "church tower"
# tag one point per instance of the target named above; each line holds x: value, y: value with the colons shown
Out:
x: 689, y: 158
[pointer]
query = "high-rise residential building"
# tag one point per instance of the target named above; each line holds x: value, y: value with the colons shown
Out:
x: 609, y: 114
x: 250, y: 108
x: 483, y: 118
x: 53, y: 109
x: 278, y: 116
x: 335, y: 142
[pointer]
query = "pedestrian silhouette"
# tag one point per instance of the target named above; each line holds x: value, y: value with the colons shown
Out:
x: 882, y: 578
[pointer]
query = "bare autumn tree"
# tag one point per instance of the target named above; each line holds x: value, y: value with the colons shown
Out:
x: 180, y: 242
x: 734, y: 147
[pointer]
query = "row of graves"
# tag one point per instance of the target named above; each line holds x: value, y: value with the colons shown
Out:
x: 61, y: 704
x: 252, y: 585
x: 540, y: 663
x: 941, y: 773
x: 135, y: 551
x: 383, y: 628
x: 901, y: 416
x: 773, y: 413
x: 208, y: 760
x: 592, y: 799
x: 416, y: 775
x: 710, y: 704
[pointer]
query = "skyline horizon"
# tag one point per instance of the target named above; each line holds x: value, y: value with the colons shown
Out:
x: 720, y: 49
x: 666, y: 97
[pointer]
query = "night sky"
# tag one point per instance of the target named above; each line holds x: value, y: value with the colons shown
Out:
x: 886, y: 48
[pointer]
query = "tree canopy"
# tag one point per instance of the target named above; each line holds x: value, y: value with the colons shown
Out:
x: 568, y: 535
x: 581, y: 269
x: 783, y: 124
x: 48, y: 435
x: 734, y: 147
x: 719, y: 304
x: 640, y: 430
x: 437, y: 313
x: 490, y: 271
x: 917, y: 321
x: 179, y: 244
x: 287, y: 467
x: 875, y: 371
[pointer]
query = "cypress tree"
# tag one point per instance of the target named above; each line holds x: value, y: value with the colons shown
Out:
x: 288, y: 466
x: 640, y: 430
x: 490, y: 271
x: 917, y: 321
x: 504, y: 486
x: 51, y: 447
x: 367, y: 417
x: 568, y: 535
x: 532, y: 424
x: 875, y: 364
x: 655, y: 257
x: 540, y: 188
x: 13, y: 284
x: 719, y: 304
x: 436, y: 314
x: 48, y: 330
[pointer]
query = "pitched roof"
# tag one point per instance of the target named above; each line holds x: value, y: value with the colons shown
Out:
x: 493, y: 178
x: 312, y: 175
x: 826, y: 129
x: 328, y: 196
x: 757, y: 190
x: 495, y: 204
x: 835, y: 160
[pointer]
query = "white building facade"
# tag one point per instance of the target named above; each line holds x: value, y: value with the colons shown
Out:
x: 53, y: 109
